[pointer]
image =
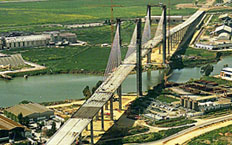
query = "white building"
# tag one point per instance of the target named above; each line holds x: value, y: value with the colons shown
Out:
x: 214, y: 46
x: 27, y: 41
x: 223, y: 29
x: 226, y: 73
x: 224, y: 36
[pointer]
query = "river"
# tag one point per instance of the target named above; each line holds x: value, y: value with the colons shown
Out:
x: 47, y: 88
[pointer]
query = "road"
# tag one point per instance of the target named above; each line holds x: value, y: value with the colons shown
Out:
x: 35, y: 67
x: 185, y: 135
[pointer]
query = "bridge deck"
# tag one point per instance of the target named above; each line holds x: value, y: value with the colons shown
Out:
x: 75, y: 125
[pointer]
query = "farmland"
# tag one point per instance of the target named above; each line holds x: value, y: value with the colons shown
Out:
x: 73, y: 11
x: 30, y: 17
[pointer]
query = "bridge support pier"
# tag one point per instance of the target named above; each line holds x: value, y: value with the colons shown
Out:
x: 170, y: 42
x: 119, y: 91
x: 111, y: 108
x: 97, y: 116
x: 80, y: 139
x: 102, y: 118
x: 148, y: 79
x: 149, y: 57
x: 107, y: 106
x: 91, y: 132
x: 139, y: 60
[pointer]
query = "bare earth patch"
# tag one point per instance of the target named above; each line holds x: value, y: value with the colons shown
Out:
x: 186, y: 5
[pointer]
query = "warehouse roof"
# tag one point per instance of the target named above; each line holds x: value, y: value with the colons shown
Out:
x: 27, y: 38
x: 7, y: 124
x: 27, y: 109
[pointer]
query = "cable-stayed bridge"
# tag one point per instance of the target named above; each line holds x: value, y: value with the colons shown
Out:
x: 117, y: 71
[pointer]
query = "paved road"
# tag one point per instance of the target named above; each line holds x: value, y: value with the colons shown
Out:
x: 189, y: 130
x: 35, y: 67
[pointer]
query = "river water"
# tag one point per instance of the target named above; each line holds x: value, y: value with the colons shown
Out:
x: 69, y: 86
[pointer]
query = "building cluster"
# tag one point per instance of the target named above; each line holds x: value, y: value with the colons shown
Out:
x: 205, y: 96
x: 11, y: 130
x: 46, y: 39
x: 226, y: 73
x: 220, y: 38
x: 33, y: 111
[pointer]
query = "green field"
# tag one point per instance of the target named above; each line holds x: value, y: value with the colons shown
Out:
x: 77, y: 11
x: 69, y: 59
x: 221, y: 136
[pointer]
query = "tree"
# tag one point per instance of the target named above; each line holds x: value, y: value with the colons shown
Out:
x: 53, y: 126
x: 207, y: 69
x: 51, y: 131
x: 218, y: 55
x: 24, y: 102
x: 20, y: 118
x: 86, y: 92
x: 26, y: 121
x: 96, y: 86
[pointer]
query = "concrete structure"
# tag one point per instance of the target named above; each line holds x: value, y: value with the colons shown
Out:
x: 223, y: 29
x: 224, y: 36
x: 56, y: 36
x: 224, y: 17
x: 27, y: 41
x: 214, y: 46
x: 33, y: 111
x: 85, y: 114
x: 204, y: 103
x: 173, y: 19
x: 226, y: 73
x: 9, y: 129
x: 71, y: 37
x: 15, y: 60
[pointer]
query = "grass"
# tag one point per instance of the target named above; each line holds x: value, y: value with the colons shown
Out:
x: 173, y: 122
x: 77, y: 11
x: 201, y: 57
x: 164, y: 98
x: 217, y: 80
x: 100, y: 35
x: 215, y: 137
x: 69, y: 59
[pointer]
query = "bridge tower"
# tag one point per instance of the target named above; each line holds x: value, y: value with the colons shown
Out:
x: 138, y: 58
x: 164, y: 32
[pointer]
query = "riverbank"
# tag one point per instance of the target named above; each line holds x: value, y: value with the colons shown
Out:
x: 192, y: 57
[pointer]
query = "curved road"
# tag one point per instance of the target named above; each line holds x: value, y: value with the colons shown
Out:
x: 190, y: 130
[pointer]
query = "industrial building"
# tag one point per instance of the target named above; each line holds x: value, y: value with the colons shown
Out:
x: 10, y: 129
x: 33, y: 111
x: 27, y: 41
x: 205, y: 103
x: 226, y: 73
x: 36, y: 40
